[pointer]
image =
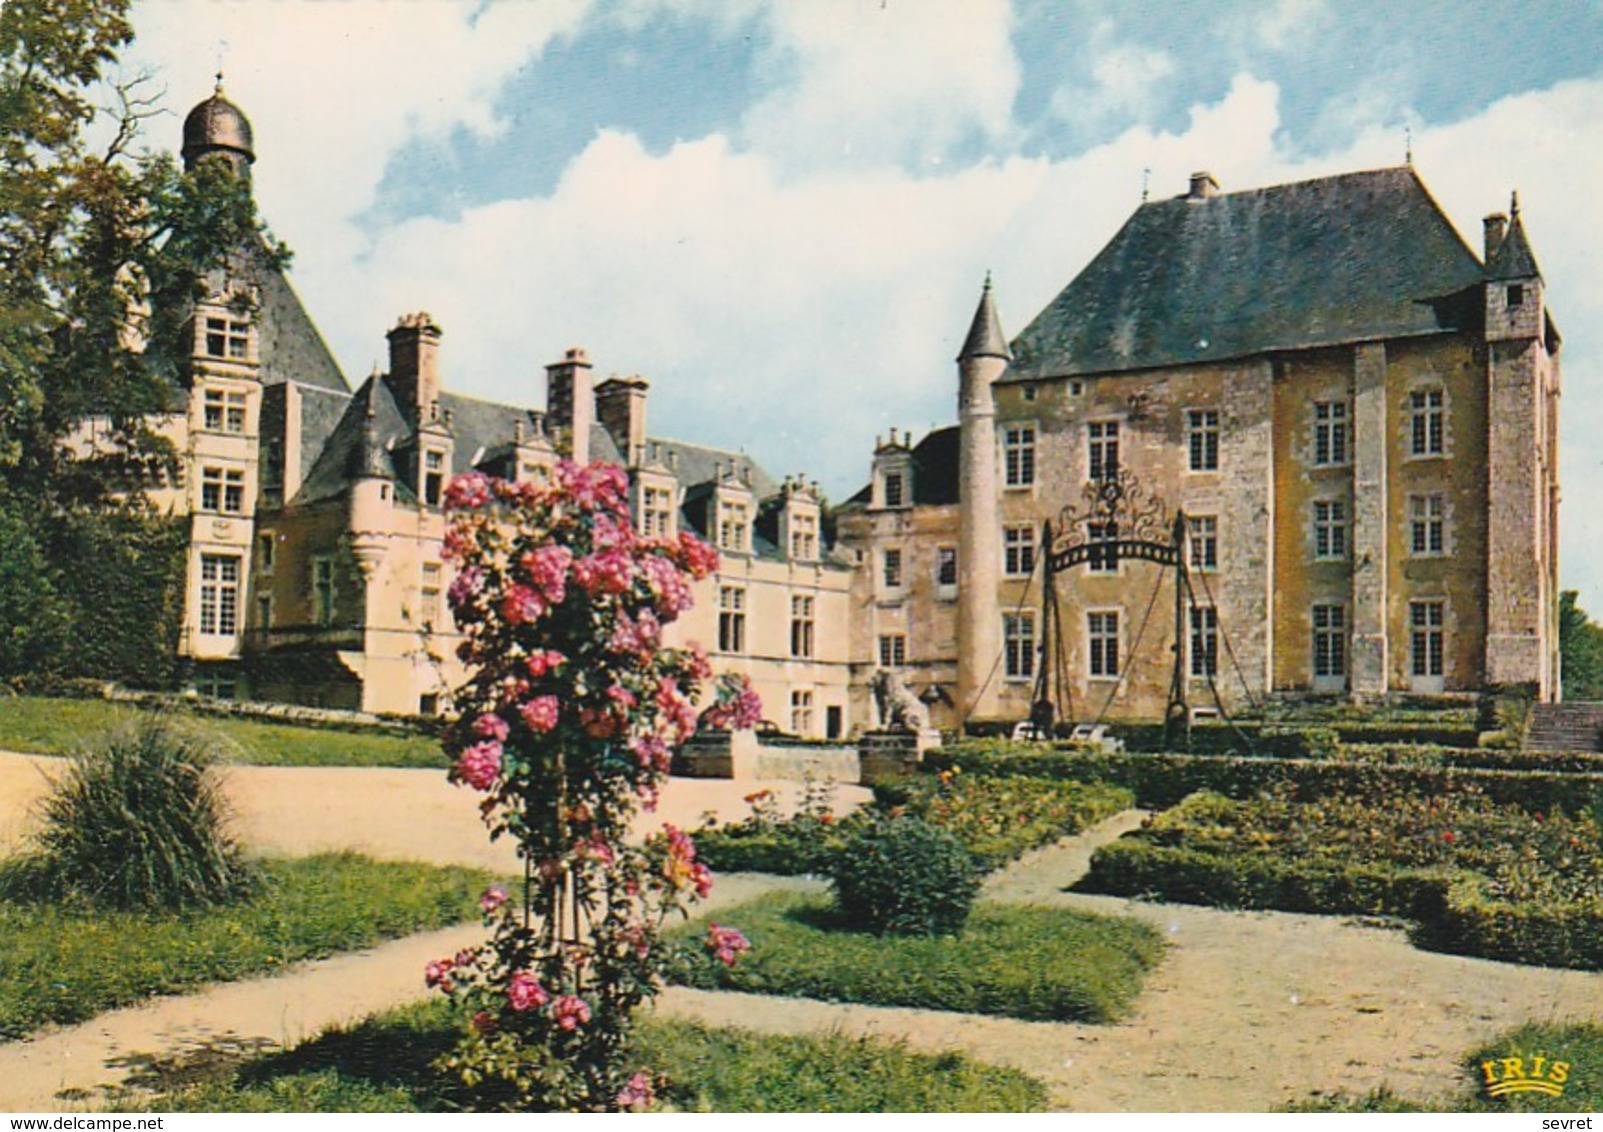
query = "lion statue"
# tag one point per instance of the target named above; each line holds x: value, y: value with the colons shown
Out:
x: 899, y: 709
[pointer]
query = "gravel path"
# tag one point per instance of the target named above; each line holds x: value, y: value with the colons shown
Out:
x: 1248, y: 1010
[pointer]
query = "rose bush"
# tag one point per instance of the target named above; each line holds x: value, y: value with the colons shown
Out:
x: 568, y: 722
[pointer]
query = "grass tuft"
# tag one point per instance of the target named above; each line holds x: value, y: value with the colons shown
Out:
x: 138, y: 822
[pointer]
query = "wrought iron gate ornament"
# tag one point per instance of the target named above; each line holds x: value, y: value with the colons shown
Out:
x: 1118, y: 517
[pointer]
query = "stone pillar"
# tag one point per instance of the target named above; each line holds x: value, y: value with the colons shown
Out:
x: 979, y: 628
x: 1514, y: 565
x: 1370, y: 654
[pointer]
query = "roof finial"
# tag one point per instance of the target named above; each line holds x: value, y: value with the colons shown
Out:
x: 1146, y: 184
x: 1408, y: 142
x: 987, y: 279
x: 1514, y: 203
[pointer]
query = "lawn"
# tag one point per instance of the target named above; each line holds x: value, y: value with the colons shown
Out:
x: 384, y: 1065
x: 1578, y: 1048
x: 46, y: 726
x: 62, y: 965
x: 1040, y: 964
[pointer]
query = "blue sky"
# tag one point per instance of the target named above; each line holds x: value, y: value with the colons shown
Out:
x: 780, y: 213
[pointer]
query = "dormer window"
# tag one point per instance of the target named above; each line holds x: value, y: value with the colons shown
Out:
x: 803, y: 537
x: 894, y: 485
x: 227, y: 338
x: 656, y: 512
x: 433, y: 476
x: 1516, y: 294
x: 733, y: 521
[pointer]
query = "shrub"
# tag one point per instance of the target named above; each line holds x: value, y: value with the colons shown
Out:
x: 139, y: 823
x: 905, y: 876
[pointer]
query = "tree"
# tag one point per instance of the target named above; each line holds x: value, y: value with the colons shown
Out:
x: 1580, y: 644
x: 102, y: 254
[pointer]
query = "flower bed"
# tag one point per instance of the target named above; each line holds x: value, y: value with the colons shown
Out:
x: 997, y: 819
x: 1477, y: 877
x: 1000, y: 819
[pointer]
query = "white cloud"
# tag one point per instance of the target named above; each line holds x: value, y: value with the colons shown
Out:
x: 1125, y: 84
x: 334, y: 89
x: 804, y: 283
x: 1288, y: 24
x: 871, y: 82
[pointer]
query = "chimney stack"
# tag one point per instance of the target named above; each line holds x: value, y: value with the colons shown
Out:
x: 1495, y: 231
x: 1204, y: 186
x: 621, y: 408
x: 415, y: 365
x: 570, y: 401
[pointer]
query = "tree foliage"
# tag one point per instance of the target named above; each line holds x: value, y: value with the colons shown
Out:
x: 1580, y: 642
x: 104, y: 246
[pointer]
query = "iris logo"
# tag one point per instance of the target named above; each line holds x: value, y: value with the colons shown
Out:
x: 1525, y: 1075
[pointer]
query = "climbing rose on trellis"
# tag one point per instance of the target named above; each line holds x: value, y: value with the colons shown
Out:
x: 568, y: 722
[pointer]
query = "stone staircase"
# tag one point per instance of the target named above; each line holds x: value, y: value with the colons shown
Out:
x: 1565, y: 727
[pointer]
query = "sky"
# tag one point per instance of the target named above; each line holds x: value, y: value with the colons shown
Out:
x: 781, y: 212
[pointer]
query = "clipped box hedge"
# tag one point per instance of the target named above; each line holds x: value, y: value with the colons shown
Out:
x: 1133, y: 866
x: 1301, y: 740
x: 1449, y: 912
x: 1159, y: 781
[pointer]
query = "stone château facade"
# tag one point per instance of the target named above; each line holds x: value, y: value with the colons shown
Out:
x: 1356, y: 414
x: 1354, y: 411
x: 316, y: 573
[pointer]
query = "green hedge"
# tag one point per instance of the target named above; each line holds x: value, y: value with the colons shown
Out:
x: 1450, y: 912
x: 1161, y: 781
x: 1470, y: 922
x: 1297, y: 740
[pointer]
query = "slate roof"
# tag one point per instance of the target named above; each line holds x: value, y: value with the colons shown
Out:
x: 935, y: 471
x: 288, y: 342
x: 1355, y: 257
x: 335, y: 451
x: 1513, y: 258
x: 985, y: 338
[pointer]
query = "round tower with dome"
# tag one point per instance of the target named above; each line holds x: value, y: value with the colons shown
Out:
x: 217, y: 128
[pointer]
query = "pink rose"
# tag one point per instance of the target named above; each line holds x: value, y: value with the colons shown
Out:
x: 490, y: 726
x: 570, y: 1012
x: 524, y: 993
x: 540, y: 714
x: 493, y: 898
x: 726, y: 943
x: 638, y: 1093
x: 544, y: 660
x: 480, y: 764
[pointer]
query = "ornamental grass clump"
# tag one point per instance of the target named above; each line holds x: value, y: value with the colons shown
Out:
x: 139, y: 823
x: 904, y: 876
x: 568, y: 723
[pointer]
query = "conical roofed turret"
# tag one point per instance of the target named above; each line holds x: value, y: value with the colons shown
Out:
x: 1513, y: 258
x: 985, y: 338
